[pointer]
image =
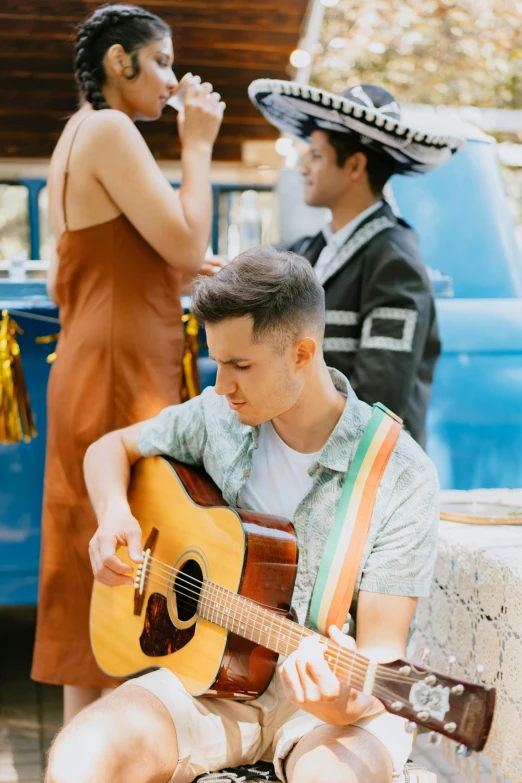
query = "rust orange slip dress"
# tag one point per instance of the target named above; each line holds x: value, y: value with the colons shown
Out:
x: 118, y: 362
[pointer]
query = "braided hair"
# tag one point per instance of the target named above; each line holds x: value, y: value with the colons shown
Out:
x: 128, y: 25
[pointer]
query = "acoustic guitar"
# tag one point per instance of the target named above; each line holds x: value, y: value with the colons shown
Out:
x: 211, y: 602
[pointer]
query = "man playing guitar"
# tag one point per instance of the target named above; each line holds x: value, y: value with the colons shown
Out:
x: 277, y: 434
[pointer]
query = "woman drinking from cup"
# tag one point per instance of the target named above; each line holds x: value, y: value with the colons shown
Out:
x: 125, y: 238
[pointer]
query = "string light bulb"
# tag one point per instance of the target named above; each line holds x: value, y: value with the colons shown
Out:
x: 300, y: 58
x: 283, y: 146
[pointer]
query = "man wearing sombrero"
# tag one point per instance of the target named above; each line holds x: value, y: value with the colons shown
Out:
x: 381, y: 328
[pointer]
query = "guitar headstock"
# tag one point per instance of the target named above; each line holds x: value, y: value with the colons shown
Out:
x: 459, y: 709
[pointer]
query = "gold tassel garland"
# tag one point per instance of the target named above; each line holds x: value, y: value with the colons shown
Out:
x: 45, y: 340
x: 16, y: 417
x: 190, y: 385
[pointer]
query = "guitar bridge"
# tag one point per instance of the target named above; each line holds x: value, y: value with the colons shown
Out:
x: 140, y: 583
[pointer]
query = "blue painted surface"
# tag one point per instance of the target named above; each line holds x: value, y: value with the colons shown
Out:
x: 475, y: 414
x: 21, y: 465
x: 465, y: 230
x: 34, y: 187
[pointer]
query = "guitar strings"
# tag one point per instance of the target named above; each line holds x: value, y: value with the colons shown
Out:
x: 345, y: 660
x: 198, y: 583
x: 256, y: 624
x: 296, y: 631
x: 168, y: 571
x: 348, y: 671
x: 382, y: 673
x: 351, y: 674
x: 348, y: 666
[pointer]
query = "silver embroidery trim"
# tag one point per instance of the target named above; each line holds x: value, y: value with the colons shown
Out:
x: 404, y: 344
x: 341, y: 344
x: 342, y: 317
x: 356, y: 241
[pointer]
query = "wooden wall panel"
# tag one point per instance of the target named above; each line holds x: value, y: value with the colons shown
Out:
x: 56, y: 56
x: 228, y: 42
x: 191, y: 24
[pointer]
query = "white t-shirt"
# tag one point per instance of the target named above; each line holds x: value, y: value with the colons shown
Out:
x: 279, y: 477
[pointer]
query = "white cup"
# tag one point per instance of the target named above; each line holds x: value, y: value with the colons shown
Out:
x: 17, y: 265
x: 177, y: 101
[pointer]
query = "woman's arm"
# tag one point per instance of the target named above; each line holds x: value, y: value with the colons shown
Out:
x: 177, y: 225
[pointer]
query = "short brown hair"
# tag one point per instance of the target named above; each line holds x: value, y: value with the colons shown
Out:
x: 279, y: 289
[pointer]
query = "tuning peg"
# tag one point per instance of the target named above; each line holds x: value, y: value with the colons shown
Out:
x: 452, y: 660
x: 463, y: 751
x: 425, y: 657
x: 410, y: 727
x: 479, y: 670
x: 434, y: 738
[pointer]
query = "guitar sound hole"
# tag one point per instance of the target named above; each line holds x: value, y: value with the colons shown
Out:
x: 187, y: 587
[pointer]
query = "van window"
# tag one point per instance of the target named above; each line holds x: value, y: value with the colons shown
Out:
x: 14, y: 220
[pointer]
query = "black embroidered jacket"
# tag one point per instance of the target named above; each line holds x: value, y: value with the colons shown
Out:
x: 381, y: 327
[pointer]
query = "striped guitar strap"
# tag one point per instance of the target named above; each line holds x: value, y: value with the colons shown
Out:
x: 335, y: 583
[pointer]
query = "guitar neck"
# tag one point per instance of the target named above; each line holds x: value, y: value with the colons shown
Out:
x: 279, y: 634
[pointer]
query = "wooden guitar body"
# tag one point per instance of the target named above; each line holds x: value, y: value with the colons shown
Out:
x: 187, y: 526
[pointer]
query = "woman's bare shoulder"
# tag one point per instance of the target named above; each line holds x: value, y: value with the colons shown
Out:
x: 97, y: 136
x: 69, y: 129
x: 95, y: 125
x: 109, y: 135
x: 111, y: 123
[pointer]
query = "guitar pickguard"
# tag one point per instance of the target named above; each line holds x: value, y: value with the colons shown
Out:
x: 160, y: 636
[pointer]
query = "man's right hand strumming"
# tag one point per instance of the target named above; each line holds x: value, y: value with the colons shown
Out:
x: 107, y: 467
x: 118, y: 529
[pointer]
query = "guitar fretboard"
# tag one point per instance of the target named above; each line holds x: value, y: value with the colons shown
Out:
x: 277, y: 633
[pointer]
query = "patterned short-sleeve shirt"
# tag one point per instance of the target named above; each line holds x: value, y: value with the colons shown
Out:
x: 400, y: 551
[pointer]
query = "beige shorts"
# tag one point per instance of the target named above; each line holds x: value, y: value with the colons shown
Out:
x: 213, y: 734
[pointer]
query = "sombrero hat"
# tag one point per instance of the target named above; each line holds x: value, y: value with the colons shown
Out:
x: 369, y: 111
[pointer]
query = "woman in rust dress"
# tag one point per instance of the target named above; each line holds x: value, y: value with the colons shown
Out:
x: 124, y: 240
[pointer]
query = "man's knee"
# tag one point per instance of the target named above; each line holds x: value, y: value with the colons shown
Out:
x: 317, y: 767
x: 82, y: 748
x: 115, y: 739
x: 337, y: 755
